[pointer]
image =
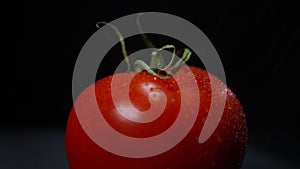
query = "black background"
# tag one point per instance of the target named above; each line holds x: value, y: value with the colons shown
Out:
x: 257, y: 43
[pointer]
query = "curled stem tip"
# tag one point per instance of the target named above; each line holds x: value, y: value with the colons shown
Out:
x: 156, y: 62
x: 141, y: 65
x: 184, y: 58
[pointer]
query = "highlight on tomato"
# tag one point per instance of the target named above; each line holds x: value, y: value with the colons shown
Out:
x: 154, y: 86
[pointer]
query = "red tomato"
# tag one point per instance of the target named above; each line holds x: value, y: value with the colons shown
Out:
x: 223, y: 150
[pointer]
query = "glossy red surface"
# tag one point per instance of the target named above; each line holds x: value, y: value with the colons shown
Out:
x: 223, y: 150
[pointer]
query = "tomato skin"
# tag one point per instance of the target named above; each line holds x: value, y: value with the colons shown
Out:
x: 223, y: 150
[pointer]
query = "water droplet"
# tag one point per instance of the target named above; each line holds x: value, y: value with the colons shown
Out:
x: 219, y: 139
x: 155, y: 78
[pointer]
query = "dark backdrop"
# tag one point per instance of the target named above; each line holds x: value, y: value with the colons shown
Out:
x: 257, y: 43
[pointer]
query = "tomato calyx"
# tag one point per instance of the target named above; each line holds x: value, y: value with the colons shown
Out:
x: 159, y: 73
x: 157, y: 66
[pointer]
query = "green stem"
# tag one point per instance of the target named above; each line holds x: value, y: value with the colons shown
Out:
x: 156, y: 63
x: 185, y: 57
x: 121, y: 40
x: 141, y: 65
x: 155, y: 60
x: 148, y: 43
